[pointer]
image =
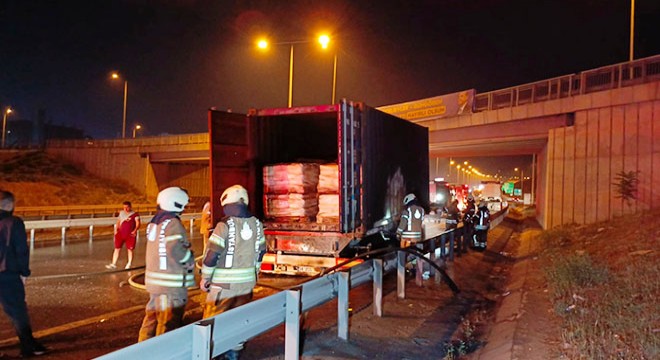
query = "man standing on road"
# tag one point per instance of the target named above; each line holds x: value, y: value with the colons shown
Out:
x: 14, y: 269
x: 233, y: 257
x: 128, y: 224
x: 169, y: 265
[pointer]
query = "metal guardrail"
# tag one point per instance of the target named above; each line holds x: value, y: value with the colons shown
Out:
x: 603, y: 78
x: 32, y: 225
x: 77, y: 211
x: 211, y: 337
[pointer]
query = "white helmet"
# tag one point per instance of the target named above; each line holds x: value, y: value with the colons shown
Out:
x: 234, y: 194
x: 409, y: 198
x: 173, y: 199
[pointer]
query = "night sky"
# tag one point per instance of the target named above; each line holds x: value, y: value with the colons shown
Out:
x: 181, y: 57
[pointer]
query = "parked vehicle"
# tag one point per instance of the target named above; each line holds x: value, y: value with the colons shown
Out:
x: 380, y: 159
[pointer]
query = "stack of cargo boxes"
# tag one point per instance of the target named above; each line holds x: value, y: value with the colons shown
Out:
x: 290, y: 192
x: 301, y: 192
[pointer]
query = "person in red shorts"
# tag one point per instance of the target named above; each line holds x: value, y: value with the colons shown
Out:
x: 128, y: 224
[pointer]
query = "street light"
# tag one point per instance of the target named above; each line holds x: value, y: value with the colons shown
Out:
x: 324, y: 41
x: 522, y: 182
x: 4, y: 124
x: 136, y: 128
x: 451, y: 164
x: 115, y: 76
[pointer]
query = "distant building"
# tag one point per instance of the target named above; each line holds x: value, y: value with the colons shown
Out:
x: 24, y: 133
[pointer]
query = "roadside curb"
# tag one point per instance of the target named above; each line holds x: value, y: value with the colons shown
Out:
x: 500, y: 340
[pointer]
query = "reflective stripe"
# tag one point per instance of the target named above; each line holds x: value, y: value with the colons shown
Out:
x: 234, y: 275
x: 217, y: 239
x: 169, y: 283
x: 169, y: 280
x: 412, y: 233
x: 173, y: 237
x: 168, y: 276
x: 185, y: 258
x: 207, y: 270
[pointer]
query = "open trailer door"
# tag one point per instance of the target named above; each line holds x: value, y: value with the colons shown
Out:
x: 228, y: 159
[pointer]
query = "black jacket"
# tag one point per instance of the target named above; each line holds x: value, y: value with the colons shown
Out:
x: 14, y: 251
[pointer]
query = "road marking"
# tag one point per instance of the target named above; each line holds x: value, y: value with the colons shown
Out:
x: 75, y: 324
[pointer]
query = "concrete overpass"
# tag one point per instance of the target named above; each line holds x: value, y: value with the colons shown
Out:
x: 583, y: 128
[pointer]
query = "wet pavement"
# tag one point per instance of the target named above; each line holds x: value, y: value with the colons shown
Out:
x: 96, y: 311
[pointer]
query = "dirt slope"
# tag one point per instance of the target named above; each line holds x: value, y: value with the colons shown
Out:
x: 37, y: 179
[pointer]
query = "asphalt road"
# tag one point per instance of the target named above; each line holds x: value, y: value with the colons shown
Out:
x: 81, y: 310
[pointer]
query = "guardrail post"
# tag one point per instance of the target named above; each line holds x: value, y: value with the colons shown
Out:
x: 342, y: 305
x: 201, y: 341
x: 63, y: 237
x: 31, y: 240
x: 378, y: 287
x: 432, y: 257
x: 91, y: 233
x: 292, y: 326
x: 401, y: 274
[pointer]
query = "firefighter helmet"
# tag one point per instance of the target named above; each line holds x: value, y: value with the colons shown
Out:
x: 234, y: 194
x: 408, y: 199
x: 173, y: 199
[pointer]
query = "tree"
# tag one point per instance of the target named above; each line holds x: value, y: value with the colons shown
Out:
x: 626, y: 185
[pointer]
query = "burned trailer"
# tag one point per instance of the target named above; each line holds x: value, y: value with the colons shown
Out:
x: 374, y: 160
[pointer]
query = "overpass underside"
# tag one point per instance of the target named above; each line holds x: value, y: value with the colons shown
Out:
x: 582, y: 146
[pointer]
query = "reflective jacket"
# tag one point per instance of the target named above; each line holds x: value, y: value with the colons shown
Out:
x: 233, y: 255
x: 453, y: 215
x: 169, y: 260
x: 468, y: 213
x: 482, y: 218
x: 411, y: 224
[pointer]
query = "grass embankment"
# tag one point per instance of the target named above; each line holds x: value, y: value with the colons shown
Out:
x: 605, y: 286
x: 37, y: 179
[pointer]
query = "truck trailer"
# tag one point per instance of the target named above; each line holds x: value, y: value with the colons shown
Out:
x: 379, y: 159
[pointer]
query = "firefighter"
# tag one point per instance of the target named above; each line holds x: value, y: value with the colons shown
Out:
x: 411, y: 229
x: 453, y: 216
x: 468, y: 224
x: 233, y: 257
x: 169, y: 265
x: 481, y: 225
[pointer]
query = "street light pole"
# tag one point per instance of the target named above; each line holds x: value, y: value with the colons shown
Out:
x: 135, y: 129
x: 4, y: 125
x: 632, y: 30
x: 291, y: 76
x: 115, y: 75
x: 334, y: 79
x: 323, y: 40
x: 123, y: 126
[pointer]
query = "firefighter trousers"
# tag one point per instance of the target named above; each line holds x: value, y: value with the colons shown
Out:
x: 163, y: 313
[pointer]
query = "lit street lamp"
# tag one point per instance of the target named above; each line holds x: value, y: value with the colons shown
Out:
x: 115, y: 76
x: 324, y: 40
x: 136, y: 128
x: 522, y: 182
x: 4, y: 124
